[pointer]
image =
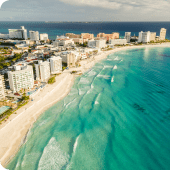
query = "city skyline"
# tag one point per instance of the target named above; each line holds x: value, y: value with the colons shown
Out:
x: 97, y: 10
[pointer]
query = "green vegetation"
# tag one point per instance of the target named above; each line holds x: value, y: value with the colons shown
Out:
x: 82, y: 45
x: 24, y: 97
x: 16, y: 57
x: 51, y: 80
x: 7, y: 43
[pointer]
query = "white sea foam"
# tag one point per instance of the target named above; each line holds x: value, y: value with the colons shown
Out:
x: 83, y: 81
x: 106, y: 66
x: 75, y: 144
x: 53, y: 157
x: 96, y: 102
x: 92, y: 73
x: 81, y: 92
x: 112, y: 79
x: 103, y: 76
x: 110, y: 59
x: 116, y: 58
x: 115, y: 67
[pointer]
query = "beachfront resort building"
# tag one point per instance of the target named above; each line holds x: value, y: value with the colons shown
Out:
x: 42, y: 71
x: 127, y: 36
x: 144, y: 37
x: 4, y: 36
x: 162, y: 34
x: 18, y: 33
x: 2, y: 88
x: 34, y: 35
x: 44, y: 36
x: 72, y: 35
x: 55, y: 64
x: 99, y: 43
x: 63, y: 41
x: 118, y: 41
x: 21, y: 77
x: 69, y: 58
x: 152, y: 36
x: 87, y: 36
x: 114, y: 35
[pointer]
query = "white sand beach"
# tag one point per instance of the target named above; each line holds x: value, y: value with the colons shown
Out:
x: 13, y: 131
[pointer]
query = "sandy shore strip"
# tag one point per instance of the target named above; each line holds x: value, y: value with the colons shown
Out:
x: 15, y: 129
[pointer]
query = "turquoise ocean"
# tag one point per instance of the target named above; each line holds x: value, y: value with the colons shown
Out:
x: 116, y: 117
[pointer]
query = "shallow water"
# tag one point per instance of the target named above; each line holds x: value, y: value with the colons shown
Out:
x: 117, y: 116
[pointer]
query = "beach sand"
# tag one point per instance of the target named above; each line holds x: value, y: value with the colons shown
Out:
x: 13, y: 131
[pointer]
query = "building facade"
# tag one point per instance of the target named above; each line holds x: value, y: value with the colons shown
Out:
x: 2, y: 88
x: 72, y: 35
x: 21, y: 78
x: 99, y: 43
x: 55, y: 64
x: 4, y: 36
x: 42, y: 71
x: 114, y: 35
x: 44, y: 36
x: 18, y: 33
x: 87, y: 36
x: 127, y: 36
x: 144, y: 37
x: 69, y: 58
x: 153, y: 36
x: 162, y: 34
x: 34, y: 35
x: 118, y: 41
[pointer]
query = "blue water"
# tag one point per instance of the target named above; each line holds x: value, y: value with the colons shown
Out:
x: 116, y: 117
x: 54, y: 29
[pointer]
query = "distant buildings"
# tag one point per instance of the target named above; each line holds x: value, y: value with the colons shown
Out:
x: 42, y: 71
x: 34, y: 35
x: 127, y: 36
x: 18, y: 33
x: 2, y: 88
x: 118, y: 41
x: 63, y: 41
x: 21, y: 78
x: 55, y: 64
x: 144, y: 37
x: 114, y: 35
x: 72, y: 35
x: 44, y: 37
x: 162, y: 34
x: 87, y: 36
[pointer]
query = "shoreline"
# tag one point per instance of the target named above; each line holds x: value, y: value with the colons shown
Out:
x: 14, y: 131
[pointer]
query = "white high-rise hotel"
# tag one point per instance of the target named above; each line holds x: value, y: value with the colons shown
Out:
x: 21, y: 78
x: 144, y: 37
x: 55, y: 64
x: 18, y: 33
x: 2, y: 88
x: 34, y: 35
x: 42, y: 71
x: 44, y: 36
x: 127, y: 36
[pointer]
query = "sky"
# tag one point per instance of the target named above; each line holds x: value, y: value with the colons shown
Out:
x: 85, y: 10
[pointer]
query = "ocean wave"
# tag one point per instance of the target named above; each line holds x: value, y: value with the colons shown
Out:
x: 115, y: 67
x: 103, y: 76
x: 53, y: 157
x: 116, y: 58
x: 75, y: 144
x: 112, y: 79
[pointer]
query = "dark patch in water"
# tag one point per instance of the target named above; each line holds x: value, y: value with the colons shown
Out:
x: 163, y: 55
x: 168, y: 111
x: 138, y: 107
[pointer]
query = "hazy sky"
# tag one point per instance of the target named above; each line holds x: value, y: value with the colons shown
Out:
x: 85, y: 10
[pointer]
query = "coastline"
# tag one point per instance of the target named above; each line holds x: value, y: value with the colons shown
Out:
x: 15, y: 130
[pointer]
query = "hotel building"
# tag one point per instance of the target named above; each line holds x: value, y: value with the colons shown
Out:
x: 118, y: 41
x: 34, y: 35
x: 162, y: 34
x: 55, y: 64
x: 42, y: 71
x: 101, y: 43
x: 152, y: 36
x: 114, y: 35
x: 21, y: 78
x: 127, y: 36
x: 18, y: 33
x: 144, y: 37
x: 2, y: 88
x: 44, y: 36
x: 69, y: 58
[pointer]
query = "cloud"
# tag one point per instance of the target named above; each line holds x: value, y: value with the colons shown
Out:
x: 145, y: 5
